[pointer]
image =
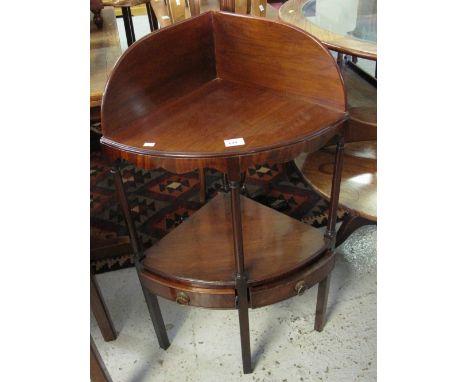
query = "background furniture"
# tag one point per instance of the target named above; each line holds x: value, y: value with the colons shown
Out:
x: 99, y: 309
x: 125, y: 6
x: 96, y: 7
x: 223, y: 111
x: 104, y: 52
x: 335, y: 22
x: 169, y: 11
x: 350, y: 28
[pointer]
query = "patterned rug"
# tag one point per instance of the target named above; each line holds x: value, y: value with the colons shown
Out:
x: 160, y: 201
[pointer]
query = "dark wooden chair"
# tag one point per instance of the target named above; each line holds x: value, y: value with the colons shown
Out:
x: 126, y: 5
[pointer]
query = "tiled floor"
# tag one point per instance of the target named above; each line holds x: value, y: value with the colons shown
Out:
x: 205, y: 344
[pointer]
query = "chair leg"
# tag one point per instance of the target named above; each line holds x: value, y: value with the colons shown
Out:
x: 101, y: 313
x: 153, y: 21
x: 322, y: 299
x: 156, y: 318
x: 128, y: 24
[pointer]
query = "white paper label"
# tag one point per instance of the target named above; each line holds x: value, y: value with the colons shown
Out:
x: 261, y: 8
x: 149, y: 144
x: 177, y: 2
x: 234, y: 142
x: 165, y: 17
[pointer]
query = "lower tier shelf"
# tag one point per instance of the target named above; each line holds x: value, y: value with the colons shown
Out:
x: 195, y: 262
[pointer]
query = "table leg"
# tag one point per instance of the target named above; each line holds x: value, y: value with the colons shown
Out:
x: 241, y: 278
x: 322, y: 299
x: 101, y: 313
x: 340, y: 61
x: 156, y: 317
x: 350, y: 224
x: 151, y: 300
x: 128, y: 24
x: 98, y: 370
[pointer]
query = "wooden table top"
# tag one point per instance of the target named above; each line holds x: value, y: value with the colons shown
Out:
x: 342, y: 25
x: 198, y: 124
x: 358, y: 191
x: 185, y: 91
x: 105, y: 51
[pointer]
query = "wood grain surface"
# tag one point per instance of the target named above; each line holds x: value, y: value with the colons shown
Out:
x: 359, y: 178
x: 200, y: 251
x: 190, y: 101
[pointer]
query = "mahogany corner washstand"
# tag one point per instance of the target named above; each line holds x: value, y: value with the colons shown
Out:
x: 199, y: 94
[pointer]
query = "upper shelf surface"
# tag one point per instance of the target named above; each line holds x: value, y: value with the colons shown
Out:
x: 220, y: 110
x: 182, y: 91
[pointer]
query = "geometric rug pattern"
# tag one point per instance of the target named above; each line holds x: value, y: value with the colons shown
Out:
x: 160, y: 201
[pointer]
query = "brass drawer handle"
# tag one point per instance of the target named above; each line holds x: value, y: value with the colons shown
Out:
x: 300, y: 287
x: 182, y: 298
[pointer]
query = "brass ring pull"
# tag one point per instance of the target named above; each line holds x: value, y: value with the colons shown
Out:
x: 300, y: 287
x: 182, y: 298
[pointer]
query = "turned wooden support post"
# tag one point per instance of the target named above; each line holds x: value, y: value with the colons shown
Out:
x: 151, y: 301
x: 335, y: 192
x: 241, y: 276
x: 236, y: 217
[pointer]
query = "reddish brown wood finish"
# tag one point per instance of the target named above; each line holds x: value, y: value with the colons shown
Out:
x: 200, y: 251
x: 141, y: 83
x: 202, y: 94
x: 98, y: 370
x: 245, y: 47
x: 208, y: 87
x: 321, y: 307
x: 100, y: 312
x: 231, y: 110
x: 179, y: 166
x: 216, y: 298
x: 271, y: 293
